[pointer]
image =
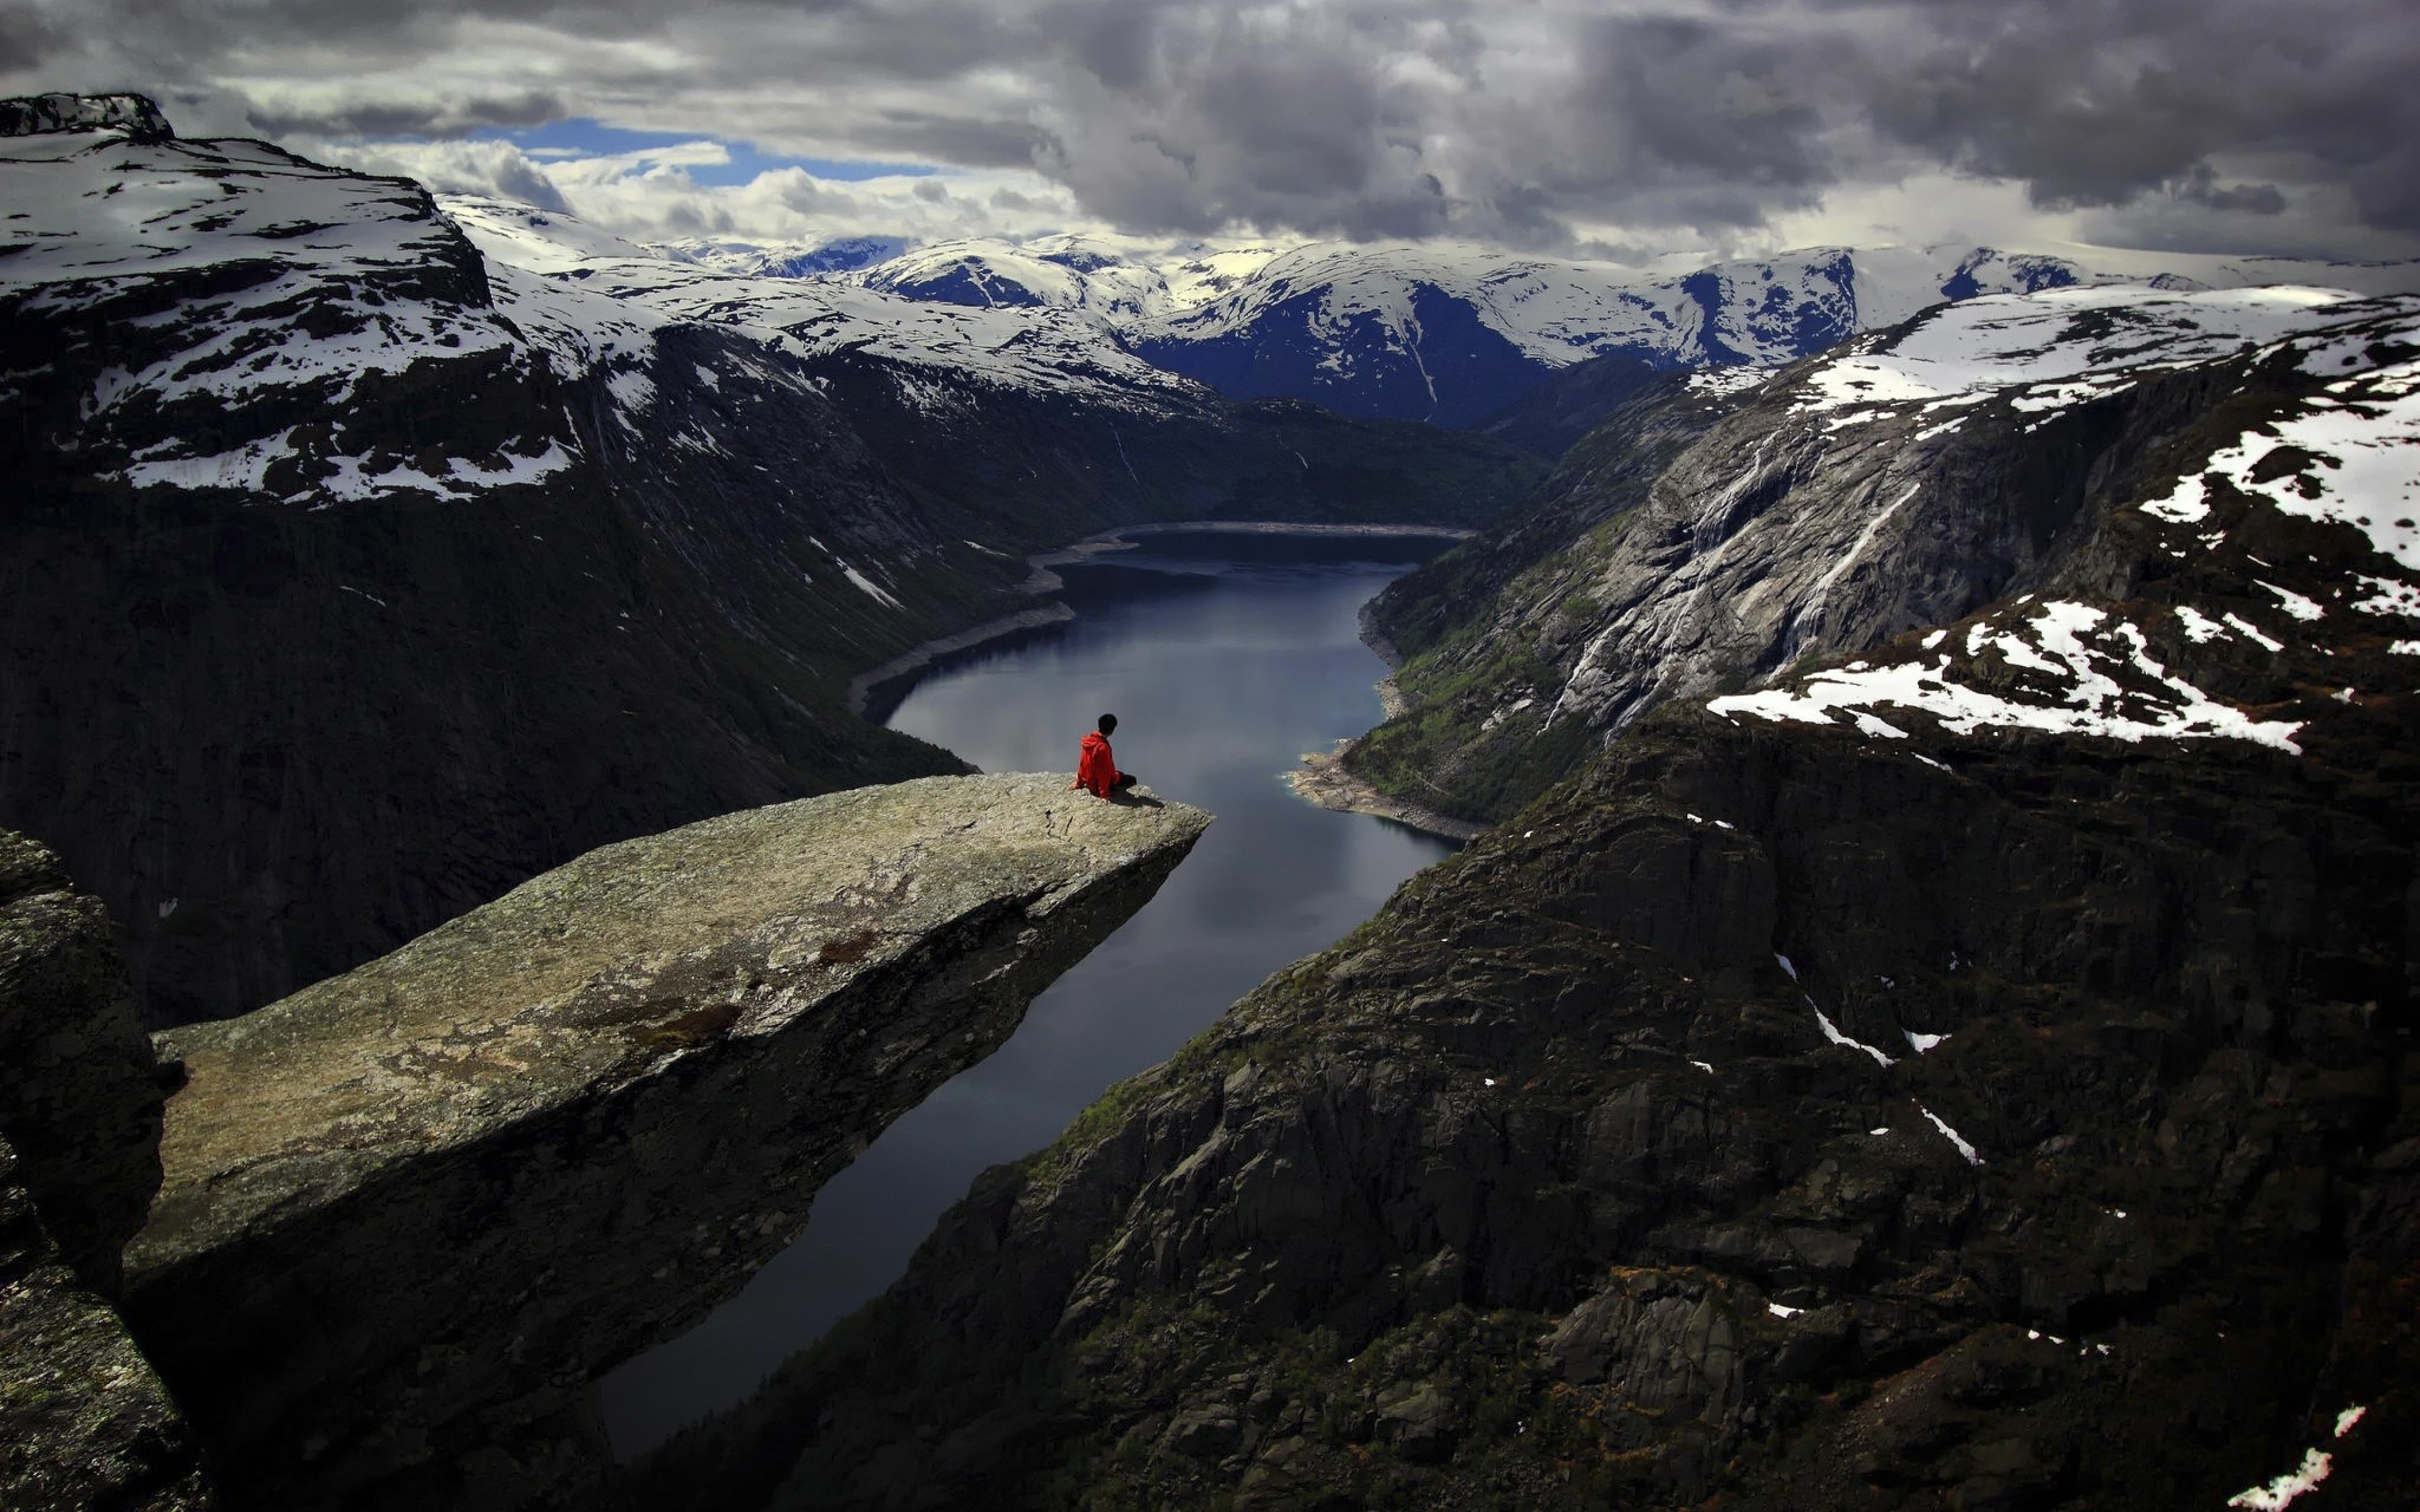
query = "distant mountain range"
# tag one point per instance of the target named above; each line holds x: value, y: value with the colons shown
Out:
x: 1458, y: 337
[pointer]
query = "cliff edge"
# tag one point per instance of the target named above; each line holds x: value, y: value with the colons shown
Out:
x: 410, y: 1213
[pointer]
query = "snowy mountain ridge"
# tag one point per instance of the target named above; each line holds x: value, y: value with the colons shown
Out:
x: 1454, y: 334
x: 1036, y: 347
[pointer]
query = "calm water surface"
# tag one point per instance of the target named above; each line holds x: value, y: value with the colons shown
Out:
x: 1224, y: 658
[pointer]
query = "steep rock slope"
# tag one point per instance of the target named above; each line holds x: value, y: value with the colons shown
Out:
x: 1905, y: 479
x: 1972, y: 1074
x: 412, y: 1212
x: 351, y: 577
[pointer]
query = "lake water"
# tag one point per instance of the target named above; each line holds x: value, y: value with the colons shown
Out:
x: 1224, y: 658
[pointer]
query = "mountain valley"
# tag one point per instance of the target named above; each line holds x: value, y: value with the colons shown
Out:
x: 1926, y: 1022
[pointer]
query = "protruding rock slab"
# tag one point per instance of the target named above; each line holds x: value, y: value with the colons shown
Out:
x: 413, y: 1210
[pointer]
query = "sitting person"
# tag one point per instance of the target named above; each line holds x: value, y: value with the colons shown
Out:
x: 1096, y: 770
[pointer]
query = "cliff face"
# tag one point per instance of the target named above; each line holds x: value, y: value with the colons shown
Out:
x: 1974, y: 1073
x: 1555, y: 1185
x: 411, y: 1212
x: 1907, y: 480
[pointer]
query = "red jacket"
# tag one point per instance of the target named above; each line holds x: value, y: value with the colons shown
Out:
x: 1095, y: 771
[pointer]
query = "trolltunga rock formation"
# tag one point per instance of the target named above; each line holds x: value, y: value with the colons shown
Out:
x: 410, y: 1212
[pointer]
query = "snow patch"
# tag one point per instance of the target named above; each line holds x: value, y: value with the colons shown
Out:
x: 867, y: 584
x: 2084, y: 648
x: 1954, y: 1138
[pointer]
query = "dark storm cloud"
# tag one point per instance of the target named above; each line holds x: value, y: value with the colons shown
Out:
x: 2201, y: 187
x: 1515, y: 122
x: 435, y: 117
x: 2099, y: 102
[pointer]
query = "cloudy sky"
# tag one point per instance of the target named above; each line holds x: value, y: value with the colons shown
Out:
x: 1607, y: 129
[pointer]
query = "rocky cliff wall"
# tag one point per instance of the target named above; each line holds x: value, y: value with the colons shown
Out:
x: 1769, y: 1117
x: 411, y: 1213
x: 1721, y: 529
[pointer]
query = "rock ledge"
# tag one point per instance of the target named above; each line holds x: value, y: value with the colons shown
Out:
x: 460, y: 1180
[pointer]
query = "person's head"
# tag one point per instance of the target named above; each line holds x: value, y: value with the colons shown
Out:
x: 1108, y: 724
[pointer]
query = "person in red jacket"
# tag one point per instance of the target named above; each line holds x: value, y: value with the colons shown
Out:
x: 1096, y: 770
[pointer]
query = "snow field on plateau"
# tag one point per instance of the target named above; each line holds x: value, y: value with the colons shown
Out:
x: 2049, y: 351
x: 1036, y: 350
x: 2350, y: 455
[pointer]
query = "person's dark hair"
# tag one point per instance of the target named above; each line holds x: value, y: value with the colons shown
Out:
x: 1108, y: 724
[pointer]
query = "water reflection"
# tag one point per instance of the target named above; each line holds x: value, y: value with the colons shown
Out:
x: 1224, y: 658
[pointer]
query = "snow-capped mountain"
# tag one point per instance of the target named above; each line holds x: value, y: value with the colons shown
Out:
x: 1424, y: 333
x: 1455, y: 336
x: 1114, y: 279
x: 2118, y: 512
x: 756, y: 259
x: 1054, y: 272
x: 1027, y: 345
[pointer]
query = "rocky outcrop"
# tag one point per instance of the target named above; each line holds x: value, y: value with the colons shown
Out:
x: 84, y: 1422
x: 81, y: 1100
x: 37, y: 115
x: 410, y: 1213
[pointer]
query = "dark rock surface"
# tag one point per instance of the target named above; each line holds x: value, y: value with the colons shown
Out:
x: 1550, y: 1187
x: 85, y: 1424
x: 36, y: 115
x: 80, y: 1103
x: 411, y: 1213
x: 1977, y: 1073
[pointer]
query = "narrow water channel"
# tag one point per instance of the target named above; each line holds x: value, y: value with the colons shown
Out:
x: 1224, y: 657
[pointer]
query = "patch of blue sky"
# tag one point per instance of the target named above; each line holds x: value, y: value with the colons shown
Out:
x: 586, y: 138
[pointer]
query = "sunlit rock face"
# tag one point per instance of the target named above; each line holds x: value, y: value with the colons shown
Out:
x: 412, y: 1212
x: 2139, y: 513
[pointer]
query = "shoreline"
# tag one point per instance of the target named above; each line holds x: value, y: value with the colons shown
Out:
x: 1122, y: 538
x: 1041, y: 580
x: 1323, y: 781
x: 916, y: 658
